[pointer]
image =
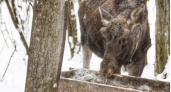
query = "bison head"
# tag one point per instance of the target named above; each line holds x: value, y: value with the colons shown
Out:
x: 122, y: 36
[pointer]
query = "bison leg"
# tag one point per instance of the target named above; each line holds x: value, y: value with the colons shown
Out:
x: 136, y: 68
x: 87, y: 53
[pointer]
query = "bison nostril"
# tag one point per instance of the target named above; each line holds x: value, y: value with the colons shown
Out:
x: 122, y: 41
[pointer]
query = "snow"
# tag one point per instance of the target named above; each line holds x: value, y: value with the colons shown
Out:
x: 145, y: 87
x: 165, y: 72
x: 84, y: 74
x: 14, y: 80
x: 54, y: 85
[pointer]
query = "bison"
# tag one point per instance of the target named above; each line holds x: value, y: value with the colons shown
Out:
x: 117, y: 31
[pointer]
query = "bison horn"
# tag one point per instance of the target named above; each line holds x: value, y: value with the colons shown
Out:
x: 104, y: 21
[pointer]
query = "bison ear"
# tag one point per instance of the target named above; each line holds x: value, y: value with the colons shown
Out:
x: 104, y: 21
x: 136, y: 14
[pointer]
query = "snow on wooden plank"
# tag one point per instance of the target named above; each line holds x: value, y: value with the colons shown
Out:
x: 83, y: 80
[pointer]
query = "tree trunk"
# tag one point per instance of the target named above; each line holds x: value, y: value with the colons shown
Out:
x: 45, y: 46
x: 72, y: 30
x: 146, y: 1
x: 162, y: 34
x: 79, y: 1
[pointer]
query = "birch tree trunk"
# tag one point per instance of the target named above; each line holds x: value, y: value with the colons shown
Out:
x: 162, y: 34
x: 45, y: 46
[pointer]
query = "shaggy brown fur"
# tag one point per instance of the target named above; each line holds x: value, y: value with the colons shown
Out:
x: 119, y: 34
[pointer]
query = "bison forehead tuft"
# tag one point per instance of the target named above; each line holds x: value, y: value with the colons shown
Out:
x: 118, y: 24
x: 119, y: 20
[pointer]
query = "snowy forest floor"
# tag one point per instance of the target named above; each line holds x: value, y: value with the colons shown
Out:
x: 14, y: 80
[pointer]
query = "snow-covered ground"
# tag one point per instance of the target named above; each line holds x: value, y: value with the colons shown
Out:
x: 14, y: 80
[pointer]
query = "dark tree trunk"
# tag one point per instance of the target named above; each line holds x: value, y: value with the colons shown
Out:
x: 79, y: 1
x: 162, y: 34
x: 146, y: 1
x: 45, y: 46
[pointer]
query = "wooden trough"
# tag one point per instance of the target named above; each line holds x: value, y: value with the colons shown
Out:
x: 83, y: 80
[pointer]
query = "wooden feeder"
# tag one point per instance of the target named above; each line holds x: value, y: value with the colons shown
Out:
x: 83, y: 80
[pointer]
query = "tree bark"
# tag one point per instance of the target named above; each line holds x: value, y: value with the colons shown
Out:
x: 72, y: 30
x: 162, y: 34
x: 46, y: 46
x: 79, y: 1
x: 146, y: 1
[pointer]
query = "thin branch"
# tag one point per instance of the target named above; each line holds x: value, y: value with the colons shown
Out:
x: 118, y: 75
x: 17, y: 27
x: 4, y: 39
x: 2, y: 48
x: 8, y: 33
x: 2, y: 31
x: 9, y: 61
x: 14, y: 11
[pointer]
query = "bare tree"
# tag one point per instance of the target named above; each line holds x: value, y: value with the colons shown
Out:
x: 14, y: 18
x: 45, y: 47
x: 162, y: 34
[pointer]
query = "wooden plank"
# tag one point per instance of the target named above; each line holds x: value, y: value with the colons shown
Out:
x: 67, y: 85
x: 140, y: 84
x: 155, y: 85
